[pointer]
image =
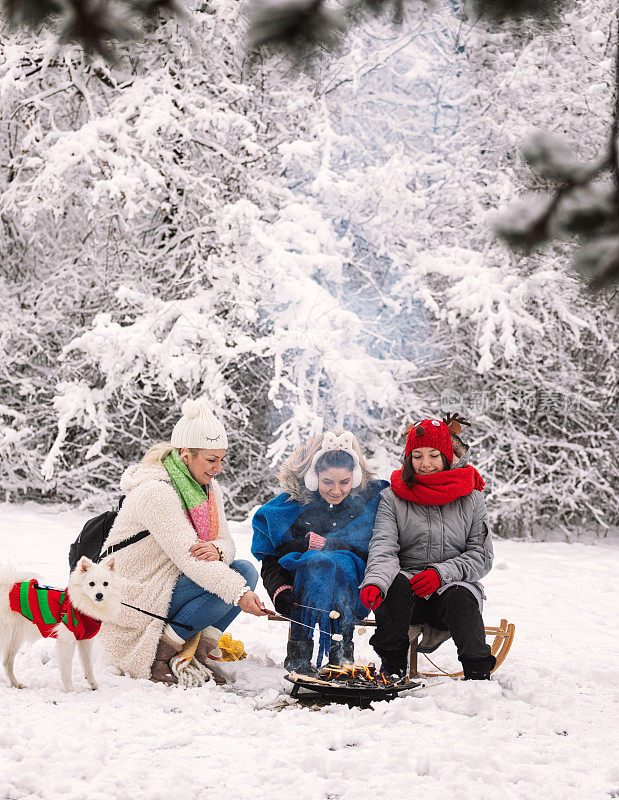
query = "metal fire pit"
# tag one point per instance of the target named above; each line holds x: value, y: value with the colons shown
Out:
x: 353, y: 693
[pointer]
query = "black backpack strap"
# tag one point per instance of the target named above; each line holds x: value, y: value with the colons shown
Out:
x: 137, y: 537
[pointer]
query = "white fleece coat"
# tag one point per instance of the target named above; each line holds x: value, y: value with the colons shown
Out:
x: 150, y: 568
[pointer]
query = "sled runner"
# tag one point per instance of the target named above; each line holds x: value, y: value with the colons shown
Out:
x: 503, y: 638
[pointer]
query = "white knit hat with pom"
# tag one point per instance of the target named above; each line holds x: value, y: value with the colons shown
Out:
x: 198, y: 427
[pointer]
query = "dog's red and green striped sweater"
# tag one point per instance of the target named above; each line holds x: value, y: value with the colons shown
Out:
x: 47, y: 607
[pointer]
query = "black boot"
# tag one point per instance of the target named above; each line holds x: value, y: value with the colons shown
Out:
x: 394, y: 662
x: 394, y: 668
x: 478, y: 669
x: 299, y: 656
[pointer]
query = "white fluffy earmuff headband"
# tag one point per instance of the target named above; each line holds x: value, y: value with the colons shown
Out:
x: 332, y: 442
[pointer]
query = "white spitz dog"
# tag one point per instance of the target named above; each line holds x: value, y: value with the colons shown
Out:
x: 94, y: 592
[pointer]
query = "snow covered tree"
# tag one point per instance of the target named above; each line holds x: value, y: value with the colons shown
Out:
x: 412, y: 167
x: 159, y: 253
x: 307, y: 254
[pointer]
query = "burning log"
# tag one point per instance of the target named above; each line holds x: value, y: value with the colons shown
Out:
x: 355, y: 675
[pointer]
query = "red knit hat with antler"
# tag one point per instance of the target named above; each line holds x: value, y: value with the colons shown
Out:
x: 435, y: 433
x: 430, y: 433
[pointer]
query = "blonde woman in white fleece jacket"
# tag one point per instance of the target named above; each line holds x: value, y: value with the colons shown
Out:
x: 185, y: 569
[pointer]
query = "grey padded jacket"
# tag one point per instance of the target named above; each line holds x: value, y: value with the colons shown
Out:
x: 454, y: 539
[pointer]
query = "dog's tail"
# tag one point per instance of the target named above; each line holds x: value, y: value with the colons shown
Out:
x: 13, y: 627
x: 8, y: 577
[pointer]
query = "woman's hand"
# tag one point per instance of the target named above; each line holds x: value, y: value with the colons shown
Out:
x: 250, y: 603
x: 204, y: 551
x: 426, y: 582
x: 371, y: 597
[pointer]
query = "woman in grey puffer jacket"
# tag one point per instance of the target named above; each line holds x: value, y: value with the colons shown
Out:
x: 430, y: 547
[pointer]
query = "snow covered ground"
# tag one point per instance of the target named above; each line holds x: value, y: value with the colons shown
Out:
x: 545, y: 727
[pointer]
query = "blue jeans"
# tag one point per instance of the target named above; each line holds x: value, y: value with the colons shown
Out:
x: 193, y: 605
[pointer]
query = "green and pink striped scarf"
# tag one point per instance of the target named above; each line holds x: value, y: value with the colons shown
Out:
x: 200, y: 507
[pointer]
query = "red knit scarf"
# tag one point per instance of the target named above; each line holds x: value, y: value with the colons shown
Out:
x: 440, y: 488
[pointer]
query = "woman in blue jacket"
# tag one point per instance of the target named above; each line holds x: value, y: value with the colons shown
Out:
x: 312, y: 540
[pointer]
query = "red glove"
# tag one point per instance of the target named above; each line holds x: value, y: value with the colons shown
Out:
x: 370, y: 597
x: 426, y: 582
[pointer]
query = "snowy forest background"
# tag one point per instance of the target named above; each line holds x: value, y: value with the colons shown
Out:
x: 308, y: 249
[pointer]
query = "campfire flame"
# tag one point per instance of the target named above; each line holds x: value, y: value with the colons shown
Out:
x: 356, y: 674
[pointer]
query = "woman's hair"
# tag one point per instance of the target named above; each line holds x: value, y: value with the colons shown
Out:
x: 290, y: 474
x: 160, y: 450
x: 409, y: 477
x: 335, y: 458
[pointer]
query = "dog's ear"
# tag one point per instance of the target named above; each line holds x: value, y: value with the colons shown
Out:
x: 84, y: 564
x: 110, y: 564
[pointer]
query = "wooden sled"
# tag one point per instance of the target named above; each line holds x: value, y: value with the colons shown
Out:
x: 503, y: 638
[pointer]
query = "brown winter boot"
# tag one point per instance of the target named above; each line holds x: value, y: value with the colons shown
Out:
x: 209, y: 654
x: 160, y: 671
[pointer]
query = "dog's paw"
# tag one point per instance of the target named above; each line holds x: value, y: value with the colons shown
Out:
x: 68, y: 688
x: 18, y: 685
x: 93, y: 685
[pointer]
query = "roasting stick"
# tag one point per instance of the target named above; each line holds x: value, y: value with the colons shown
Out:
x: 332, y: 614
x: 337, y: 637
